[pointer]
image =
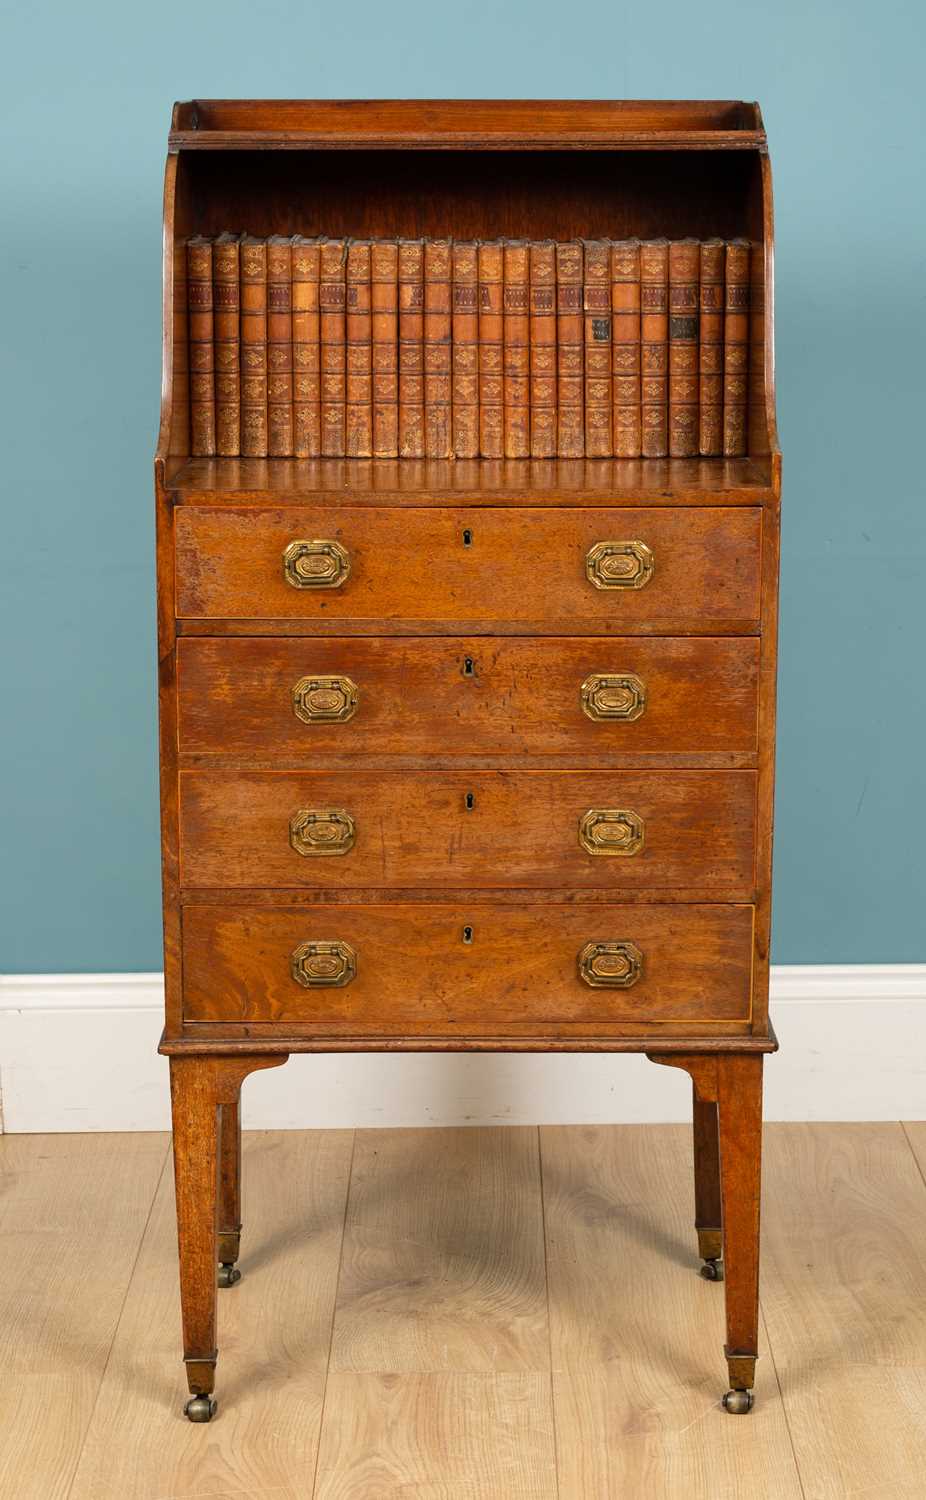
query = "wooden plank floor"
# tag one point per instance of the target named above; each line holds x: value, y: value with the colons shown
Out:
x: 467, y: 1314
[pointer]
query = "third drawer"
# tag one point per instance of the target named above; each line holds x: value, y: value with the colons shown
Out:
x: 632, y: 831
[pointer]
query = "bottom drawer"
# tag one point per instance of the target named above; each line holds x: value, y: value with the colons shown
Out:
x: 467, y: 970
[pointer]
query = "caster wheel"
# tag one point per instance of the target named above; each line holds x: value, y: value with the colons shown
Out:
x: 740, y: 1403
x: 712, y: 1270
x: 200, y: 1408
x: 228, y: 1275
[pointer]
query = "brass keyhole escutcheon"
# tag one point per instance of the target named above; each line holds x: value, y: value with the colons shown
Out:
x: 467, y: 934
x: 469, y: 667
x: 469, y: 801
x: 467, y: 537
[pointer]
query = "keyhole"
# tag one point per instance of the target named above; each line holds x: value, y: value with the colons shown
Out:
x: 470, y: 801
x: 469, y: 667
x: 467, y: 934
x: 467, y: 537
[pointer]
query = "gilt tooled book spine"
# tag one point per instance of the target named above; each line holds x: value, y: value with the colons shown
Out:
x: 625, y: 347
x: 226, y: 271
x: 384, y: 304
x: 253, y: 347
x: 279, y: 346
x: 465, y: 350
x: 735, y: 348
x: 654, y: 356
x: 307, y: 442
x: 710, y: 351
x: 411, y: 349
x: 543, y: 349
x: 201, y: 348
x: 757, y: 431
x: 491, y: 351
x: 358, y: 411
x: 570, y: 364
x: 332, y: 297
x: 438, y: 325
x: 684, y: 268
x: 596, y: 302
x: 516, y: 335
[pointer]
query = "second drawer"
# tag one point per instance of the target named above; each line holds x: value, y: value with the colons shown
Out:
x: 629, y: 831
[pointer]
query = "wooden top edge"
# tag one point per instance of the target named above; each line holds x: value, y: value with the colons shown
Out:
x: 328, y: 124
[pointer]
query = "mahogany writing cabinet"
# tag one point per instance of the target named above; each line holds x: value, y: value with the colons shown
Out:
x: 504, y: 701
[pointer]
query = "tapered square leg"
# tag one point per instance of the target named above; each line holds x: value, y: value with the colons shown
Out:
x: 229, y: 1246
x: 204, y: 1104
x: 708, y: 1215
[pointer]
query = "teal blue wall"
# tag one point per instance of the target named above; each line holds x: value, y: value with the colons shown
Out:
x: 85, y: 102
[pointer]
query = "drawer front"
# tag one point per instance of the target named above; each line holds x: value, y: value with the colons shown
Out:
x: 661, y: 571
x: 467, y: 697
x: 480, y: 970
x: 628, y: 830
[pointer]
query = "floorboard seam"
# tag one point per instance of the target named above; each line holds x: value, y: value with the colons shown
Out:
x: 546, y: 1280
x: 334, y: 1313
x: 913, y: 1151
x: 784, y: 1406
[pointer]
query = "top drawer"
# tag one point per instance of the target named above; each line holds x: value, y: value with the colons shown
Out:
x: 650, y: 571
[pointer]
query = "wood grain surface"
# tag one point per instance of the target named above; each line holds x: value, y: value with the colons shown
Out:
x: 517, y: 976
x: 462, y: 699
x: 499, y: 568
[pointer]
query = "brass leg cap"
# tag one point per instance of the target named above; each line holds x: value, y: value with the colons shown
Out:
x: 228, y: 1275
x: 740, y: 1403
x: 712, y: 1270
x: 200, y: 1408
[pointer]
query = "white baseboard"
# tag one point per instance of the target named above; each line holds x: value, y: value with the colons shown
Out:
x: 77, y: 1052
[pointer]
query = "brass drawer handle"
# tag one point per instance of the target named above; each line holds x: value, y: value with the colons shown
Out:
x: 325, y: 700
x: 613, y: 695
x: 619, y: 565
x: 316, y: 830
x: 323, y: 965
x: 316, y: 565
x: 614, y: 966
x: 611, y: 830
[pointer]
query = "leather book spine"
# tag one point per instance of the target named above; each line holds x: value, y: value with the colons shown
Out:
x: 491, y: 351
x: 596, y: 302
x: 307, y: 441
x: 684, y: 271
x: 279, y: 346
x: 201, y: 347
x: 411, y: 349
x: 654, y: 354
x: 438, y: 328
x: 253, y: 347
x: 516, y: 350
x: 625, y: 347
x: 543, y: 349
x: 226, y: 272
x: 710, y: 349
x: 756, y: 423
x: 465, y: 350
x: 570, y: 359
x: 358, y: 411
x: 332, y: 298
x: 384, y: 304
x: 735, y: 348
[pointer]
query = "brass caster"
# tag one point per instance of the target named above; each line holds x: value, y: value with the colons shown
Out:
x: 200, y: 1408
x: 228, y: 1275
x: 740, y: 1403
x: 712, y: 1270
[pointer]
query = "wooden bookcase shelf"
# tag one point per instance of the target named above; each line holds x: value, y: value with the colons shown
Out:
x: 467, y: 681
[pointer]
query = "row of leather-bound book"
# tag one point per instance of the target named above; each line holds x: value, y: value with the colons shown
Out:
x: 437, y: 348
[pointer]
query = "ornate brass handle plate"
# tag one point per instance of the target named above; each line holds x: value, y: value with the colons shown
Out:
x: 613, y: 695
x: 316, y: 565
x: 614, y: 966
x: 611, y: 830
x: 619, y: 565
x: 323, y: 965
x: 325, y: 700
x: 316, y: 830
